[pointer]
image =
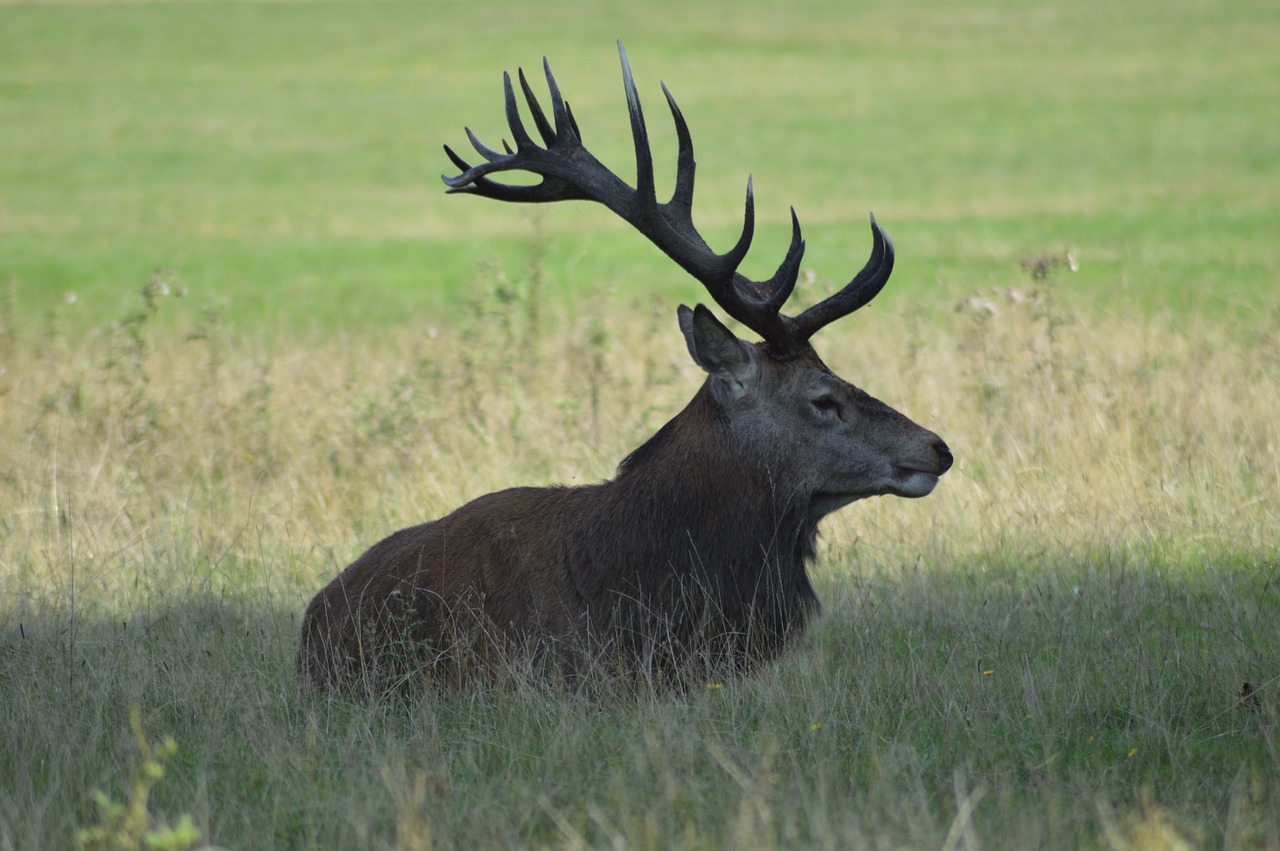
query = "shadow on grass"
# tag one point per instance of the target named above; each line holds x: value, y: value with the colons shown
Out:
x: 1049, y: 705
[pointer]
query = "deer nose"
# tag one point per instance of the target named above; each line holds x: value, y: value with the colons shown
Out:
x: 945, y: 458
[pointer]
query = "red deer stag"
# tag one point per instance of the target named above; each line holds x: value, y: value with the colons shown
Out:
x: 695, y: 554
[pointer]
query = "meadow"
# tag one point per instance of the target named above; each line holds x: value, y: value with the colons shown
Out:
x: 244, y: 334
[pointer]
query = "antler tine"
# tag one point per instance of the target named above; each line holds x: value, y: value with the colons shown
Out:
x: 717, y: 270
x: 639, y: 134
x: 865, y: 286
x: 784, y: 280
x: 566, y: 127
x: 535, y: 109
x: 685, y: 163
x: 734, y: 256
x: 681, y: 203
x: 482, y: 149
x: 573, y: 122
x: 523, y: 141
x: 457, y: 160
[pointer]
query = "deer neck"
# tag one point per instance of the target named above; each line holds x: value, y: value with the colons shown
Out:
x: 689, y: 480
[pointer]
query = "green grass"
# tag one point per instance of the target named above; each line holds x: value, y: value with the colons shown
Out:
x: 1047, y: 652
x: 281, y: 158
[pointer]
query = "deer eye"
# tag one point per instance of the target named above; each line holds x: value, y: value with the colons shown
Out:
x: 825, y: 404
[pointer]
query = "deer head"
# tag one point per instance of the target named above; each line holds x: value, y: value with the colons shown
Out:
x: 812, y: 433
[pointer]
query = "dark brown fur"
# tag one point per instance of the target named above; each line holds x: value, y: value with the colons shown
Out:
x: 685, y: 552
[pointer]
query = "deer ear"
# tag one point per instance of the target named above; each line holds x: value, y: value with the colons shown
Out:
x: 718, y: 350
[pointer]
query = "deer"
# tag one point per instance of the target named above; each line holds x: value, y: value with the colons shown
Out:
x: 693, y: 558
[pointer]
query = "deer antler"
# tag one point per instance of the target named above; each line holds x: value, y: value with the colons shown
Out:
x: 569, y: 171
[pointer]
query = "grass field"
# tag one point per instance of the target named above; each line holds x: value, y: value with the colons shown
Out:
x: 281, y: 158
x: 1052, y: 650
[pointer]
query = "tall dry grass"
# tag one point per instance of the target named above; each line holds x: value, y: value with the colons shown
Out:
x: 1072, y: 431
x: 172, y: 492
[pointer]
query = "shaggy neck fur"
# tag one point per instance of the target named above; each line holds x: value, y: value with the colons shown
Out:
x: 736, y: 583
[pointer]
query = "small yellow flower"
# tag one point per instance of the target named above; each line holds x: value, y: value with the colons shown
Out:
x: 713, y: 686
x: 815, y: 726
x: 1091, y: 738
x: 988, y: 672
x: 1132, y: 751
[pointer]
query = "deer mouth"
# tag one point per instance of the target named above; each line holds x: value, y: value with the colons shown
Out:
x: 912, y: 482
x: 909, y: 482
